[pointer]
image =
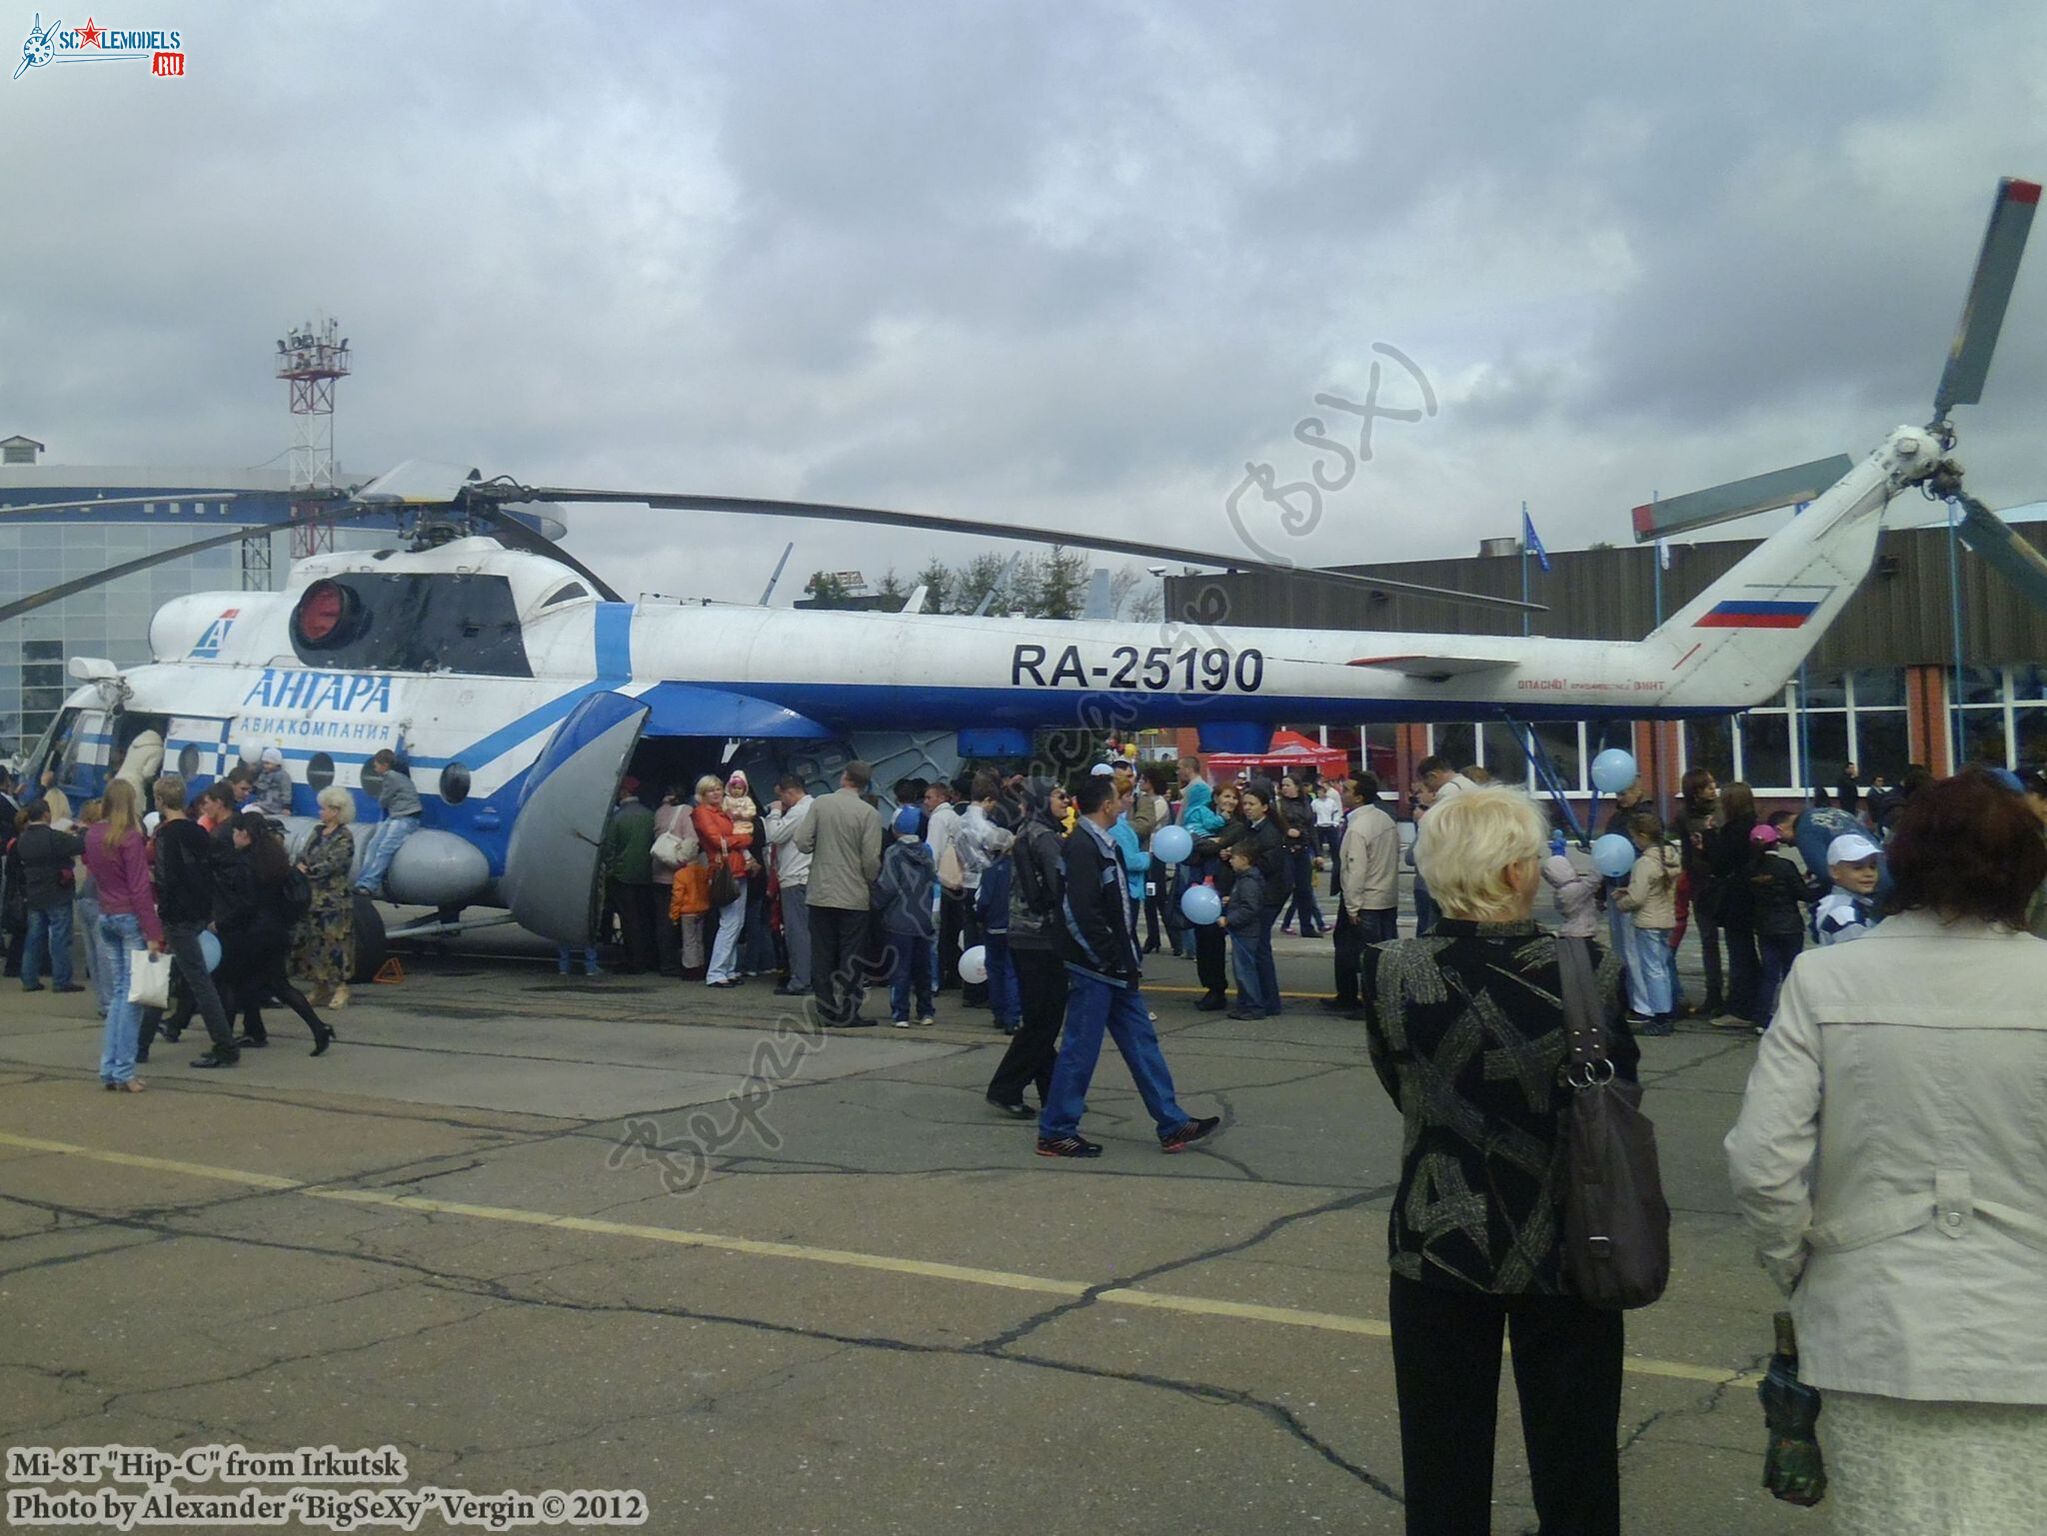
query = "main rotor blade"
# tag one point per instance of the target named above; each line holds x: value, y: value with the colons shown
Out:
x: 1997, y: 268
x: 2001, y: 548
x: 927, y: 523
x: 88, y: 503
x: 72, y: 588
x: 512, y: 532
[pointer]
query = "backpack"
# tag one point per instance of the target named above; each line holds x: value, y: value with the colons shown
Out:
x: 296, y: 893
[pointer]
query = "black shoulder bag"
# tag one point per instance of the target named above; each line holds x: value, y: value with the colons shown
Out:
x: 1616, y: 1222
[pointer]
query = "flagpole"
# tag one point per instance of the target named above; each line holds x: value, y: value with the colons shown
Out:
x: 1525, y: 526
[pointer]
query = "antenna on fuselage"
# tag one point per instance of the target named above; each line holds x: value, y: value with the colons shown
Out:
x: 769, y: 590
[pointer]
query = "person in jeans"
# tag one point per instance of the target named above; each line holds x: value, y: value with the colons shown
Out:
x: 902, y: 905
x: 1701, y: 794
x: 116, y: 855
x: 1103, y: 974
x: 399, y: 802
x: 1776, y: 889
x: 1037, y: 888
x: 1262, y: 831
x: 1475, y: 1236
x: 720, y: 840
x: 46, y: 856
x: 1650, y: 900
x: 185, y: 860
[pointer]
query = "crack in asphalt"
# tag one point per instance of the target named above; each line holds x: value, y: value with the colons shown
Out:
x: 1278, y: 1415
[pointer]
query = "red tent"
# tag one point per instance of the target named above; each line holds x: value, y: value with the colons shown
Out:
x: 1289, y: 750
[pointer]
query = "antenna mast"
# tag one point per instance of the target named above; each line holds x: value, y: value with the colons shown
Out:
x: 310, y: 357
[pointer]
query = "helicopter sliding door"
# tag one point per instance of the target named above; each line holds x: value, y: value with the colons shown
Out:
x: 553, y: 864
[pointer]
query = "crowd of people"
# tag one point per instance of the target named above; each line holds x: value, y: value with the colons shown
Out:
x: 202, y: 880
x: 1889, y: 1152
x: 1889, y: 1155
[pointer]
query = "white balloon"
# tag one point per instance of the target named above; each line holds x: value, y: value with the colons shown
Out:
x: 974, y: 966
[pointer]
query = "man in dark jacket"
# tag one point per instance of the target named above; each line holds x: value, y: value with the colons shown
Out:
x: 46, y: 857
x: 13, y: 913
x: 185, y: 861
x: 1103, y: 976
x: 1037, y: 893
x: 629, y: 872
x: 1701, y: 796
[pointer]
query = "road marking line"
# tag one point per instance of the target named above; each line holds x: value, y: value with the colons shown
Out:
x: 1009, y: 1280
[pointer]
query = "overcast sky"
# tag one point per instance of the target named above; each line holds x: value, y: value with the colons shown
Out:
x: 1067, y: 265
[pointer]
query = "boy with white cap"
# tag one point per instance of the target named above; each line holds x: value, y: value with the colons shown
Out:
x: 1845, y: 913
x: 273, y: 785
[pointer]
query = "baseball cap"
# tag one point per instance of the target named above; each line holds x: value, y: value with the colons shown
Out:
x: 1763, y: 835
x: 1850, y: 848
x: 1101, y: 771
x: 907, y: 821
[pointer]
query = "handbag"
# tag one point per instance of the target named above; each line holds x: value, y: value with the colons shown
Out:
x: 724, y: 887
x: 149, y: 980
x: 673, y: 851
x: 1616, y: 1221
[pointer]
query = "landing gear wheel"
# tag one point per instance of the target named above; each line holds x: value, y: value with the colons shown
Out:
x: 371, y: 949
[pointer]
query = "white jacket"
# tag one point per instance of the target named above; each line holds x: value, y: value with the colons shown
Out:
x: 792, y: 864
x: 1368, y: 862
x: 1891, y: 1158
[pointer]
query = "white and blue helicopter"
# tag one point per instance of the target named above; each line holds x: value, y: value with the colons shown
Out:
x: 522, y: 689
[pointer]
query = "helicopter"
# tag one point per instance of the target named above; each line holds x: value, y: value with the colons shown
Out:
x: 522, y: 689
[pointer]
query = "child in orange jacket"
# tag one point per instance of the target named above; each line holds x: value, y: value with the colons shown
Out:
x: 690, y: 900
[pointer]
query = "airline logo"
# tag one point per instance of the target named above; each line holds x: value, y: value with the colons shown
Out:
x: 208, y: 648
x: 1750, y: 613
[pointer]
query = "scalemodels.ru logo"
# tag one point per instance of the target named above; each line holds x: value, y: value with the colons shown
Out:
x: 162, y: 51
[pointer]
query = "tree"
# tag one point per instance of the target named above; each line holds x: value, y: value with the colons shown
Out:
x: 982, y: 575
x: 827, y: 591
x: 938, y: 580
x: 1137, y: 595
x: 1058, y: 584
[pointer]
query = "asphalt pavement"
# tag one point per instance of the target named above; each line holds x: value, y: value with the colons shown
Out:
x: 631, y: 1234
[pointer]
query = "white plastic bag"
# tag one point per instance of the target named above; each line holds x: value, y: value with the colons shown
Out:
x: 149, y: 980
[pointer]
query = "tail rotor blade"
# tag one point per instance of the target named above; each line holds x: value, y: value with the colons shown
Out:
x: 1997, y: 268
x: 2001, y: 548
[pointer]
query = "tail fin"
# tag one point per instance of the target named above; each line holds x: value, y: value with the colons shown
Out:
x: 1737, y: 643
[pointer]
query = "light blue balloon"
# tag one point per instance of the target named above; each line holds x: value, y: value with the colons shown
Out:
x: 209, y: 947
x: 1613, y: 856
x: 1173, y: 844
x: 1614, y: 770
x: 1200, y: 905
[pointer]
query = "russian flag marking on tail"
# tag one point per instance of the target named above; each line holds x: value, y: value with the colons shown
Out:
x: 1748, y: 613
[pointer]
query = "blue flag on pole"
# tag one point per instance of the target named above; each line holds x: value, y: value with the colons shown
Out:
x: 1533, y: 540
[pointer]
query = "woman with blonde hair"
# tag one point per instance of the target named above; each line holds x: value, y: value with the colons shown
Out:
x: 1476, y: 1230
x: 118, y: 857
x: 323, y: 947
x: 719, y: 839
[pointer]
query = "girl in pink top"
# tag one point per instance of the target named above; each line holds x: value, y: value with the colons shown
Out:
x: 117, y: 857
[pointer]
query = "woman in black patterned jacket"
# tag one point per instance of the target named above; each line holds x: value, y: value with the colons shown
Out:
x: 1467, y: 1035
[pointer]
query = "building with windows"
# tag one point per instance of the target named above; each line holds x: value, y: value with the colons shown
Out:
x: 148, y: 509
x: 1881, y: 690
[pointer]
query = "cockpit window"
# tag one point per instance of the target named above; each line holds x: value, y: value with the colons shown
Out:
x: 406, y: 622
x: 569, y: 593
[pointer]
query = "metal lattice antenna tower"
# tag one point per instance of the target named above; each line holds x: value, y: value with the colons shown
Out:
x: 310, y: 357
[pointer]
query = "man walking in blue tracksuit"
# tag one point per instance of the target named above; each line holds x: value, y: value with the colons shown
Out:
x: 1103, y: 975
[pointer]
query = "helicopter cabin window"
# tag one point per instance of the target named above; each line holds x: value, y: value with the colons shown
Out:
x: 566, y: 594
x: 411, y: 622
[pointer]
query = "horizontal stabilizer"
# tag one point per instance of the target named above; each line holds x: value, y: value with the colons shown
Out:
x: 1738, y: 498
x: 1431, y: 669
